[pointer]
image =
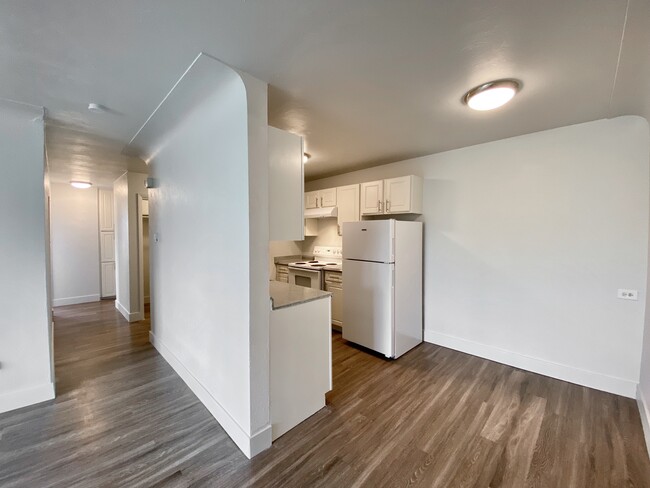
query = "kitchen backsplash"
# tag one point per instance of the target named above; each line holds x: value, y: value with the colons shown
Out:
x: 327, y: 236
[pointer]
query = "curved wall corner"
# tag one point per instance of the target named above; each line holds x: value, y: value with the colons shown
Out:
x: 209, y: 297
x: 26, y: 374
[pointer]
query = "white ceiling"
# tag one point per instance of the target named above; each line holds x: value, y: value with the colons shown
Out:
x: 365, y: 81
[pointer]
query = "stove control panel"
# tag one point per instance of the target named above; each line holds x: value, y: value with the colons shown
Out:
x: 331, y: 252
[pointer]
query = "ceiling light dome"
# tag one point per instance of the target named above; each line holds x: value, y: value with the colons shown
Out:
x: 491, y: 95
x: 81, y: 184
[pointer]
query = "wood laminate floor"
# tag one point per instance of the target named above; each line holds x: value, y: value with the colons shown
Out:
x: 435, y: 417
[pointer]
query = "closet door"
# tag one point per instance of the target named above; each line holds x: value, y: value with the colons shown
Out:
x: 108, y: 279
x: 106, y: 243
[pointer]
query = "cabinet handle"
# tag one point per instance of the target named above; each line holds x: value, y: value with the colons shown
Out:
x: 321, y: 201
x: 378, y: 205
x: 387, y: 205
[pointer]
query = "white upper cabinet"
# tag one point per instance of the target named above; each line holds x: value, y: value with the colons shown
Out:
x: 105, y: 210
x: 311, y: 199
x: 320, y: 198
x: 327, y: 197
x: 392, y: 196
x: 372, y: 197
x: 347, y: 199
x: 403, y: 195
x: 286, y: 180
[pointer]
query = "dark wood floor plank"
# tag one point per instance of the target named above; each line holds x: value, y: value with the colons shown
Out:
x: 435, y: 417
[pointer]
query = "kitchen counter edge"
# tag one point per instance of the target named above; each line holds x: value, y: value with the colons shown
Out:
x: 285, y: 295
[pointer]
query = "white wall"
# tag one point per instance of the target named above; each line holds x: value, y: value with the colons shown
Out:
x: 209, y: 269
x: 74, y: 244
x: 125, y: 191
x: 643, y: 391
x: 26, y: 374
x: 122, y: 270
x: 527, y: 241
x: 327, y: 236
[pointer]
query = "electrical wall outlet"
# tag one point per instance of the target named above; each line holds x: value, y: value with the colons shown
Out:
x: 628, y: 294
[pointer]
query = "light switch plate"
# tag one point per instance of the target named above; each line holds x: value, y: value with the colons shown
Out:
x: 628, y: 294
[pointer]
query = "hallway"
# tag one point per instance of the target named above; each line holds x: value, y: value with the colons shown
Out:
x: 436, y: 417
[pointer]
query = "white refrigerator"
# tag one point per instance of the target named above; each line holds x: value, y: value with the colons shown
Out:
x: 382, y: 291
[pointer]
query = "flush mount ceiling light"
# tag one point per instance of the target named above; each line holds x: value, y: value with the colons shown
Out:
x: 305, y: 157
x: 81, y: 184
x: 491, y: 95
x: 98, y: 108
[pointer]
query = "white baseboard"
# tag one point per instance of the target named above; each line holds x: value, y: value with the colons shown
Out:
x: 249, y: 445
x: 131, y: 317
x: 59, y: 302
x: 25, y: 397
x: 644, y: 413
x: 591, y: 379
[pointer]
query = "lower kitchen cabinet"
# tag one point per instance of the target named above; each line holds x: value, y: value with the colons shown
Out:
x: 282, y: 273
x: 300, y: 350
x: 334, y: 284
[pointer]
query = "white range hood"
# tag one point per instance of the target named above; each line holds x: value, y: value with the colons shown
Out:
x: 321, y: 213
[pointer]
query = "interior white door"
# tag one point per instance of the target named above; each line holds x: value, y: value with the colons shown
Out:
x: 107, y: 246
x: 108, y: 279
x: 368, y: 305
x: 372, y: 197
x: 105, y: 210
x: 398, y: 194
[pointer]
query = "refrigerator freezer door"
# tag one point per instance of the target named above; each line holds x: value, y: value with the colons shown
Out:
x: 368, y: 305
x: 369, y: 240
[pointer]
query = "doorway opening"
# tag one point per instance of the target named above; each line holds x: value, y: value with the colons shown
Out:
x: 144, y: 282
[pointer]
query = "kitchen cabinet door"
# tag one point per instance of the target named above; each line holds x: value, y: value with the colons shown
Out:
x: 286, y: 179
x: 403, y: 195
x: 312, y: 199
x: 372, y: 197
x: 398, y: 194
x: 347, y: 199
x: 337, y: 303
x: 327, y: 197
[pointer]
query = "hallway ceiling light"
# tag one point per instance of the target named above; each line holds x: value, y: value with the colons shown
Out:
x: 81, y: 184
x: 98, y: 108
x: 492, y: 94
x: 305, y: 157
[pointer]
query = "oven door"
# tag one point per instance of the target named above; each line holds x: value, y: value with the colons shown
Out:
x: 309, y: 278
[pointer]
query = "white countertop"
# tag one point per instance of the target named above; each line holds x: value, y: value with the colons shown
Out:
x: 286, y: 295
